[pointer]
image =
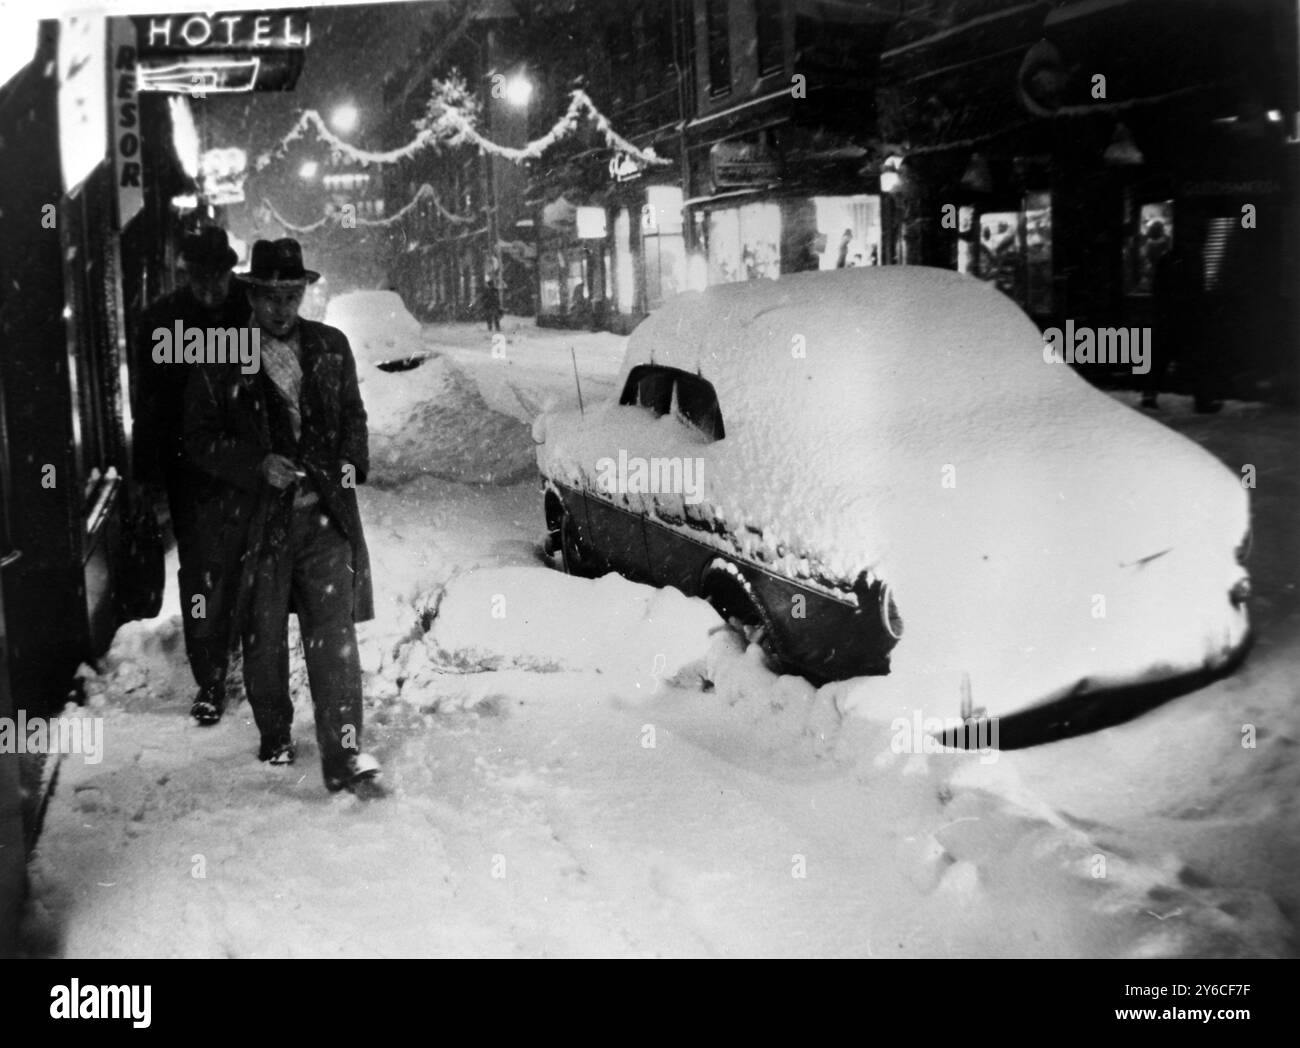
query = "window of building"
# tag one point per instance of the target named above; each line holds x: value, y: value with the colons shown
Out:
x: 663, y: 245
x: 719, y: 44
x: 1147, y: 244
x: 769, y: 36
x: 624, y: 270
x: 744, y: 243
x: 1038, y: 253
x: 1013, y: 250
x: 848, y: 231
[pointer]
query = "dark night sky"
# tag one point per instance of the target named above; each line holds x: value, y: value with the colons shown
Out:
x: 352, y: 48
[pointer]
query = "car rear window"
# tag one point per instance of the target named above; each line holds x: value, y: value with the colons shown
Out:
x: 689, y: 398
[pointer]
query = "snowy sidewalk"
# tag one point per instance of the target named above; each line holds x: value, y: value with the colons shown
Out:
x: 591, y: 808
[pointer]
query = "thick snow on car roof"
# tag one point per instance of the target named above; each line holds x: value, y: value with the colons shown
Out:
x: 853, y: 344
x: 903, y: 421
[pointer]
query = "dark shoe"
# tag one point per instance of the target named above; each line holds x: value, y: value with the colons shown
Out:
x: 367, y: 789
x: 208, y: 706
x: 277, y: 751
x: 361, y: 778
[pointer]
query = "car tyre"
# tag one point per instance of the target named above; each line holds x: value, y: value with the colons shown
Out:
x: 735, y: 601
x: 576, y: 561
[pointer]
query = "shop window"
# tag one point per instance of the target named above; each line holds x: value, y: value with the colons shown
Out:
x: 1218, y: 234
x: 1147, y: 244
x: 85, y: 315
x: 1038, y: 253
x: 967, y: 255
x: 663, y: 246
x: 744, y: 243
x: 719, y: 46
x: 848, y: 231
x: 769, y: 33
x: 550, y: 264
x: 624, y: 271
x: 1013, y: 250
x: 576, y: 291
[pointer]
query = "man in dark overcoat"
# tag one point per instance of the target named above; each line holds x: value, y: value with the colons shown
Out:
x: 289, y: 445
x: 205, y: 300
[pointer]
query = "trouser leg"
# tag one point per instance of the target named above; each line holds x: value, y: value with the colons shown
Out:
x: 205, y: 640
x: 266, y: 647
x: 322, y: 595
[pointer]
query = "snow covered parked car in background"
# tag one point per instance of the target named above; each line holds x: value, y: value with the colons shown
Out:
x: 878, y: 470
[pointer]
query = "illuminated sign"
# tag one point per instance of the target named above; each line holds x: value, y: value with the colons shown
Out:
x: 237, y: 31
x: 200, y: 54
x: 126, y: 121
x: 221, y: 175
x: 83, y: 109
x: 201, y: 76
x: 623, y: 167
x: 737, y: 164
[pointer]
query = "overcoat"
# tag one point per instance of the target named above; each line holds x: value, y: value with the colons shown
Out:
x: 227, y: 435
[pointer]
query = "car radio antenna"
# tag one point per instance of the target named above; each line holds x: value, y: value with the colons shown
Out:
x: 576, y: 382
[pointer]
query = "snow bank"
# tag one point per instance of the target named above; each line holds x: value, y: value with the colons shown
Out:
x: 537, y: 619
x: 901, y: 421
x: 432, y: 420
x: 377, y: 324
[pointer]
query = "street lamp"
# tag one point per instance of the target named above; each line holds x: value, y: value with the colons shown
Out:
x: 518, y: 90
x: 891, y: 174
x: 345, y: 118
x: 308, y: 170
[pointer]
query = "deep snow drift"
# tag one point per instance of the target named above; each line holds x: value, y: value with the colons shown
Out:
x: 425, y: 417
x: 590, y: 805
x: 902, y: 421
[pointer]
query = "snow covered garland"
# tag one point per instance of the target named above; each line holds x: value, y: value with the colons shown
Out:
x: 448, y: 123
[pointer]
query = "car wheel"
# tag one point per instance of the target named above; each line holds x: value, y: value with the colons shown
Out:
x: 735, y: 600
x: 575, y: 559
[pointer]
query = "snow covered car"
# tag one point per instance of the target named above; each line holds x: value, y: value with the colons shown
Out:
x: 881, y: 471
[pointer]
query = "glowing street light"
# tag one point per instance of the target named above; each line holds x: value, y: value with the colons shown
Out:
x: 891, y: 174
x: 345, y: 118
x: 519, y: 89
x: 308, y: 170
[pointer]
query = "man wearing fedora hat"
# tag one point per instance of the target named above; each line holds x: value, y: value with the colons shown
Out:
x: 289, y: 445
x: 203, y: 301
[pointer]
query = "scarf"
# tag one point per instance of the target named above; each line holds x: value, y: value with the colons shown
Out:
x: 281, y: 365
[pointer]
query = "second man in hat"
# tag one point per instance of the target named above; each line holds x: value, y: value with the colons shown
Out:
x: 289, y: 445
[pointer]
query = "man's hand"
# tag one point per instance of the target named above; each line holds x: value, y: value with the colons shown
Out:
x: 279, y: 471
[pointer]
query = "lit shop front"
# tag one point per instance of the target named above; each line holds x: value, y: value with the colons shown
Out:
x: 768, y: 237
x: 763, y: 217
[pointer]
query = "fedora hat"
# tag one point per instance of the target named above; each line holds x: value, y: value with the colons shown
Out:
x: 278, y: 263
x: 208, y: 247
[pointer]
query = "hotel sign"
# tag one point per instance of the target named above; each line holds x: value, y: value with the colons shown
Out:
x: 199, y: 54
x: 238, y: 31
